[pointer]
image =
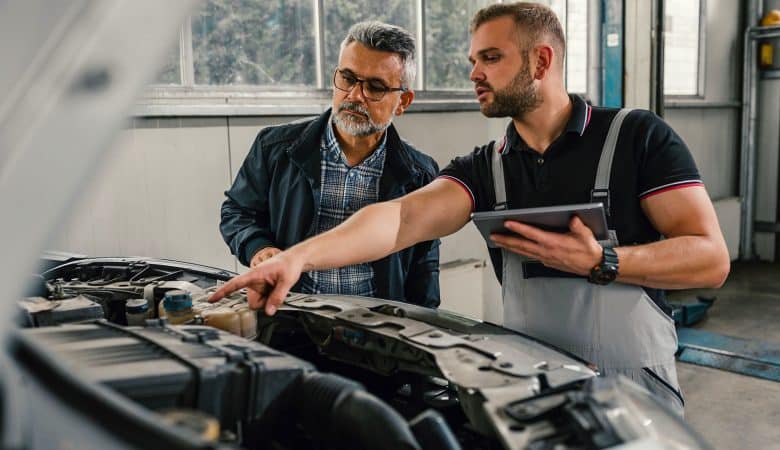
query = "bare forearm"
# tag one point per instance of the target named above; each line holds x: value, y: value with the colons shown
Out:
x: 676, y: 263
x: 370, y: 234
x: 436, y: 210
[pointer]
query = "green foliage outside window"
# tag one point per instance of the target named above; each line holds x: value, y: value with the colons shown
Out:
x: 272, y: 43
x: 254, y: 42
x: 342, y: 14
x: 447, y: 42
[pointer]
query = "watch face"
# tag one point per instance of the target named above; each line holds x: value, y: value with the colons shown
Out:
x: 603, y: 274
x: 608, y: 273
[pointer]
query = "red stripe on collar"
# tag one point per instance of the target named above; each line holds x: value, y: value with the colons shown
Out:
x: 588, y: 109
x: 502, y: 147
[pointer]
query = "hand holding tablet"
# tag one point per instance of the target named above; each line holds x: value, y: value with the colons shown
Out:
x: 549, y: 218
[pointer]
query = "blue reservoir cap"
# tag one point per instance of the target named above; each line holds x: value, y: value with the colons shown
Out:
x: 136, y: 306
x: 177, y: 300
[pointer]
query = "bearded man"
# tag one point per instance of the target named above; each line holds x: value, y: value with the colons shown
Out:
x: 303, y: 178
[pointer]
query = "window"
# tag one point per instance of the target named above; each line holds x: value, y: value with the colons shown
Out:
x: 681, y: 47
x: 576, y: 24
x: 341, y: 14
x: 446, y: 48
x: 242, y: 48
x: 171, y: 70
x: 254, y: 42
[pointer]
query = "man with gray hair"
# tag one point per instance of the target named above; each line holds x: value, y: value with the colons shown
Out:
x: 306, y: 177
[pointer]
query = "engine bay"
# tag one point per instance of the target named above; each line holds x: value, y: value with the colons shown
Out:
x: 325, y: 372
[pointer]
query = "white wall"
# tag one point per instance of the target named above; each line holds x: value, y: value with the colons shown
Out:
x: 158, y: 195
x: 712, y: 135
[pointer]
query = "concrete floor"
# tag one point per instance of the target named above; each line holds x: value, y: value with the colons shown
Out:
x: 730, y: 410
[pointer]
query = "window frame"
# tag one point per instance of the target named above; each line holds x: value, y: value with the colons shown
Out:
x: 189, y: 99
x: 700, y: 63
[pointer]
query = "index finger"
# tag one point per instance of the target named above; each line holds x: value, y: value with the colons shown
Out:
x: 231, y: 286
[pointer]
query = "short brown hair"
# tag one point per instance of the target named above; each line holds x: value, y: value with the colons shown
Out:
x: 534, y: 19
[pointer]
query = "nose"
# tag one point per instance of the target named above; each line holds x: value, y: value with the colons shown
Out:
x: 476, y: 73
x: 356, y: 92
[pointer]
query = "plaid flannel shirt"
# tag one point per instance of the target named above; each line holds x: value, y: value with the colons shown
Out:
x: 344, y: 190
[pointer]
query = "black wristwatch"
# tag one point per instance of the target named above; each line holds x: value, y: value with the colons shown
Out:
x: 607, y: 270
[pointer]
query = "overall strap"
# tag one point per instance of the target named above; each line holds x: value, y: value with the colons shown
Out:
x: 498, y: 172
x: 600, y: 192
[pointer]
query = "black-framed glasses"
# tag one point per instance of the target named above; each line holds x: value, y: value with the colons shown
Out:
x: 373, y: 90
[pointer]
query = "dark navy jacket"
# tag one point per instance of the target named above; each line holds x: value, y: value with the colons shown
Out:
x: 274, y: 200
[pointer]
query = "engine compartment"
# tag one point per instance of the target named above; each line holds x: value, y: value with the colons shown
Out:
x: 326, y: 372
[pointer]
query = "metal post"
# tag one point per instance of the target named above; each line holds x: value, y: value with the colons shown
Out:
x: 657, y: 58
x: 319, y: 44
x: 746, y: 172
x: 594, y: 52
x: 612, y: 50
x: 421, y: 50
x: 186, y: 58
x: 747, y: 164
x: 747, y: 181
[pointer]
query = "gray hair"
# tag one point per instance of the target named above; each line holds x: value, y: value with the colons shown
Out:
x: 387, y: 38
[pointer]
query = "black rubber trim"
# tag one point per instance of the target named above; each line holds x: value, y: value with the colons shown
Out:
x: 204, y: 380
x: 117, y: 415
x: 665, y: 383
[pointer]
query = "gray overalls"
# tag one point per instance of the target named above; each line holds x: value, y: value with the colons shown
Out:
x: 618, y: 327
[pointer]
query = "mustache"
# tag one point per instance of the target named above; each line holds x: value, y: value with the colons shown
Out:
x: 354, y: 107
x: 482, y: 84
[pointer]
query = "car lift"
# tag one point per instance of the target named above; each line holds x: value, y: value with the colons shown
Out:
x: 687, y: 314
x: 745, y: 356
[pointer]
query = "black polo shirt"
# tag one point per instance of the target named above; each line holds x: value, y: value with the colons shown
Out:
x: 650, y: 158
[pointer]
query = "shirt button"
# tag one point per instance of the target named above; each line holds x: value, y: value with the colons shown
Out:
x: 540, y: 161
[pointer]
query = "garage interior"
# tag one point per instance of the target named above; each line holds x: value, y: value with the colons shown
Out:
x: 155, y: 187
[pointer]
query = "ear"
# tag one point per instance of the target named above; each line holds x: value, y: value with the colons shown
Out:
x: 406, y: 99
x: 544, y: 59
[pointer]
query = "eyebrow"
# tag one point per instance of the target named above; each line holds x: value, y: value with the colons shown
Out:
x: 350, y: 72
x: 484, y: 51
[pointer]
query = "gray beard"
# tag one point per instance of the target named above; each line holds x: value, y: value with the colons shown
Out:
x: 356, y: 126
x: 516, y: 99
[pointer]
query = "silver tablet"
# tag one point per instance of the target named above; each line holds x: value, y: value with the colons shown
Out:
x: 549, y: 218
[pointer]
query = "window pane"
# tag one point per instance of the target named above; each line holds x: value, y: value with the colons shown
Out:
x: 558, y: 7
x: 342, y: 14
x: 681, y: 48
x: 447, y: 42
x: 170, y: 72
x: 577, y: 46
x: 254, y: 42
x: 573, y: 15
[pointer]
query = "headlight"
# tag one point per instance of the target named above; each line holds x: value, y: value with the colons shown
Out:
x: 636, y: 415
